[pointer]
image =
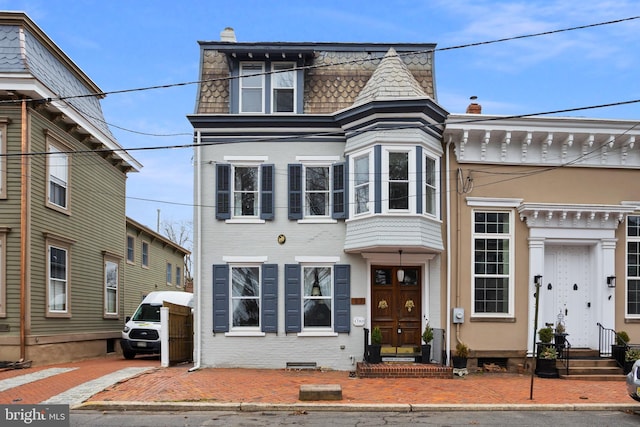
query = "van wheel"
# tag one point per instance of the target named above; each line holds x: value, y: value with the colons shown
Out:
x: 129, y: 354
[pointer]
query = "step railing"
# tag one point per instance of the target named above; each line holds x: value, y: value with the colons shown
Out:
x: 607, y: 338
x: 563, y: 351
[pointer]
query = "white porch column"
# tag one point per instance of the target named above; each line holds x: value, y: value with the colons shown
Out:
x: 604, y: 293
x: 536, y: 267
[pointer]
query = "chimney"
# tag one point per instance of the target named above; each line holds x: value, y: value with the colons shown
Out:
x: 474, y: 107
x: 228, y: 35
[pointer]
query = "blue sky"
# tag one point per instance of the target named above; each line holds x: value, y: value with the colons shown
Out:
x: 124, y: 44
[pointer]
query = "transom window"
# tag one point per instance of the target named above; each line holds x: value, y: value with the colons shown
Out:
x: 245, y: 297
x: 491, y: 262
x: 633, y: 265
x: 317, y: 297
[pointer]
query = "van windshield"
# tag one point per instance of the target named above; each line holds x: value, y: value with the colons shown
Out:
x: 147, y: 313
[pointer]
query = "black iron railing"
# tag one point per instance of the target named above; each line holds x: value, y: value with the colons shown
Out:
x: 563, y: 351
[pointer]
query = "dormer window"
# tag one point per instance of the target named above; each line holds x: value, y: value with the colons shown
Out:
x: 267, y: 87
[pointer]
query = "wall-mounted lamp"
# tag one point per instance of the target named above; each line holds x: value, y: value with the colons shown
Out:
x: 400, y: 272
x: 611, y: 281
x: 537, y: 279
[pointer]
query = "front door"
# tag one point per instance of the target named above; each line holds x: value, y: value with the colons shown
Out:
x: 396, y: 305
x: 567, y: 292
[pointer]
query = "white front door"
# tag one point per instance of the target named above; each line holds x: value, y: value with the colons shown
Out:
x: 567, y: 292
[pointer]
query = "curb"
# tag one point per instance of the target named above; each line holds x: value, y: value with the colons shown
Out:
x: 124, y: 406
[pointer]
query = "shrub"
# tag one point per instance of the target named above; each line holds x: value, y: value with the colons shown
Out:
x: 462, y: 350
x: 546, y: 334
x: 622, y: 338
x: 427, y: 335
x: 632, y: 355
x: 548, y: 352
x: 376, y: 335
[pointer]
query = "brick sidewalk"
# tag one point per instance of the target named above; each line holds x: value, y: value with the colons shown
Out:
x: 264, y: 386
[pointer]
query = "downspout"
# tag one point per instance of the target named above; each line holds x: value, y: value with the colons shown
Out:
x: 448, y: 202
x: 24, y: 220
x: 197, y: 324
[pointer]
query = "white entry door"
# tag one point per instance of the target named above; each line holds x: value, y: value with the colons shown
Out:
x: 567, y: 292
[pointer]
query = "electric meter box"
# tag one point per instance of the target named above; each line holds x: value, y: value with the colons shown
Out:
x: 458, y: 315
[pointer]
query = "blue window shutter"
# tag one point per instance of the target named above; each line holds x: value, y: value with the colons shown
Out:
x: 221, y: 298
x: 377, y: 174
x: 295, y: 191
x: 419, y: 180
x: 223, y: 191
x: 342, y: 297
x: 269, y: 298
x: 266, y: 192
x: 292, y: 301
x: 339, y: 193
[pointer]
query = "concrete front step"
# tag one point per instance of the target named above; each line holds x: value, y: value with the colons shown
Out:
x: 619, y: 377
x: 591, y: 369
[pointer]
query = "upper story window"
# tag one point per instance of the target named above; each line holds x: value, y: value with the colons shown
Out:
x: 58, y: 177
x: 317, y: 188
x: 633, y: 266
x: 3, y: 159
x: 178, y: 276
x: 362, y: 184
x: 252, y: 87
x: 267, y: 87
x: 398, y: 181
x: 131, y: 241
x: 169, y: 273
x: 145, y: 254
x: 244, y: 190
x: 431, y: 186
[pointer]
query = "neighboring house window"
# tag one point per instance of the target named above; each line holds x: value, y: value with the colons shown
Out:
x: 111, y: 286
x: 251, y: 87
x: 267, y: 92
x: 431, y: 186
x: 317, y: 190
x: 178, y: 276
x: 362, y: 184
x: 245, y: 297
x: 58, y: 280
x: 145, y: 254
x: 3, y: 162
x: 492, y: 260
x: 58, y: 177
x: 244, y: 190
x: 317, y: 298
x: 169, y: 273
x: 131, y: 241
x: 633, y: 265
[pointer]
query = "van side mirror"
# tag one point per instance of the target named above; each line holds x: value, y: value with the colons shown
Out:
x: 126, y: 319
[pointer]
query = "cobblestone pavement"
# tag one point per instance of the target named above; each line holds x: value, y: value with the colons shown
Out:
x: 114, y: 379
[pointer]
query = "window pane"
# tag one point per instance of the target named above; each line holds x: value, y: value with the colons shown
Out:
x: 245, y: 196
x: 58, y: 263
x: 317, y: 185
x: 252, y: 100
x: 361, y: 179
x: 245, y: 281
x: 398, y: 166
x: 399, y: 195
x: 317, y: 296
x: 283, y: 100
x: 246, y: 312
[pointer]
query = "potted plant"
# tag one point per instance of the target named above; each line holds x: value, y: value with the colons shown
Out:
x: 546, y: 362
x: 460, y: 358
x: 546, y: 335
x: 560, y: 338
x: 376, y: 345
x: 630, y: 356
x: 620, y: 347
x: 427, y: 337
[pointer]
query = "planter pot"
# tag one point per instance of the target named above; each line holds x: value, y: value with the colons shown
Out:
x: 627, y: 366
x: 374, y: 353
x: 426, y: 353
x: 546, y: 368
x: 617, y: 353
x: 459, y: 362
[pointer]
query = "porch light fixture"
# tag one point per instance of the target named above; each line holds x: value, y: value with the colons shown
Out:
x: 400, y: 272
x: 611, y: 281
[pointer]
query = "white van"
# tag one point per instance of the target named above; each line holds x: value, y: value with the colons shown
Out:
x: 141, y: 333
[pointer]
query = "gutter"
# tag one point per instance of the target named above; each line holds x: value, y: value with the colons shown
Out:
x: 448, y: 201
x: 24, y: 227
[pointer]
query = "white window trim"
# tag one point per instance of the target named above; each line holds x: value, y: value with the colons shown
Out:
x: 436, y: 159
x: 59, y: 148
x: 245, y: 330
x: 626, y: 269
x: 352, y: 183
x: 244, y: 161
x: 294, y: 71
x: 317, y: 331
x: 262, y: 88
x: 494, y: 202
x: 511, y: 276
x: 316, y: 218
x: 67, y: 249
x: 142, y: 244
x: 411, y: 150
x: 3, y: 164
x: 114, y: 260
